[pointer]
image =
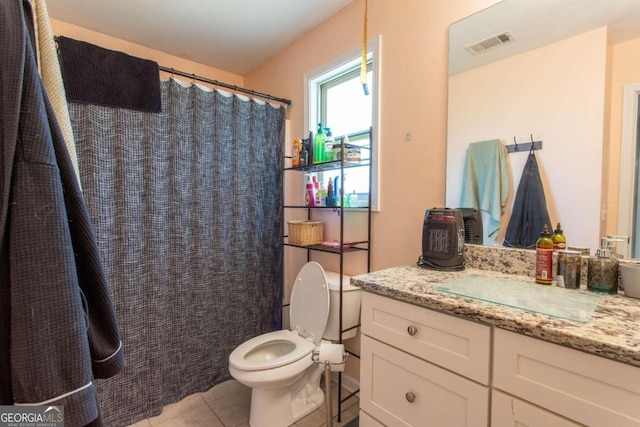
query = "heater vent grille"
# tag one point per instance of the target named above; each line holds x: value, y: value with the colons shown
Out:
x: 490, y: 43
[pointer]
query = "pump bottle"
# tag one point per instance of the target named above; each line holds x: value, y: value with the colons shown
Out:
x: 603, y: 270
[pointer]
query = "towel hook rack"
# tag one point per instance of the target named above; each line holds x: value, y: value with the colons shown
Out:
x: 527, y: 146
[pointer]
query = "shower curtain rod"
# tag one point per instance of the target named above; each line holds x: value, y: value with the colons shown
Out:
x: 225, y: 85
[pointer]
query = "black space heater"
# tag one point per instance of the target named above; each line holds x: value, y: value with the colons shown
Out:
x: 442, y: 240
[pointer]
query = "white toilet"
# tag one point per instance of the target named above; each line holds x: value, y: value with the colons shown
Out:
x: 285, y: 382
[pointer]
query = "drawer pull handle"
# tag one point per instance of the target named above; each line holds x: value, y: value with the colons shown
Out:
x: 410, y: 397
x: 412, y: 330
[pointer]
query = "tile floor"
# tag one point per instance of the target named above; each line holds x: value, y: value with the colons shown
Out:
x: 227, y: 405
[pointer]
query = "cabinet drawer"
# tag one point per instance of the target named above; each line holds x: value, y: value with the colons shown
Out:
x: 398, y: 389
x: 507, y: 411
x: 583, y: 387
x: 455, y: 344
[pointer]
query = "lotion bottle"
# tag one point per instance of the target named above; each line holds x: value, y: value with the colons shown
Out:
x: 603, y: 270
x: 544, y: 257
x: 328, y: 146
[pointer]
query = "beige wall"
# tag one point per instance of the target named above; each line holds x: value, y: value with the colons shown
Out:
x: 413, y: 99
x: 61, y: 28
x: 557, y: 93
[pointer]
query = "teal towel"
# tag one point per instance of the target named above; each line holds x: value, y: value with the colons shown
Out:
x: 485, y: 183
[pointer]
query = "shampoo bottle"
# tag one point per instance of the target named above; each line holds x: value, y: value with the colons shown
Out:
x: 603, y: 270
x: 304, y: 153
x: 295, y: 152
x: 544, y: 257
x: 328, y: 146
x: 316, y: 190
x: 331, y: 201
x: 310, y: 196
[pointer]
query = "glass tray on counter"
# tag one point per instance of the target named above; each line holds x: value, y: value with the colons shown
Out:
x: 550, y: 300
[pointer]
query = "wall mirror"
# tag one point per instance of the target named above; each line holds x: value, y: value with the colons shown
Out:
x: 546, y: 69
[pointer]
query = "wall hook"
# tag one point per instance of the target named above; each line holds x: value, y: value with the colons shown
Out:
x: 527, y: 146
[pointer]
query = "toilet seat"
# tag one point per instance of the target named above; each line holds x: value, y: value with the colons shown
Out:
x: 308, y: 315
x: 241, y: 358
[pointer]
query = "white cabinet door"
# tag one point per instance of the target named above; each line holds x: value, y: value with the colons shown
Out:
x: 507, y: 411
x: 588, y: 389
x: 398, y: 389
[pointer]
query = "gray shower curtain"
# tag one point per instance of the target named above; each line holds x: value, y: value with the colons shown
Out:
x: 186, y: 207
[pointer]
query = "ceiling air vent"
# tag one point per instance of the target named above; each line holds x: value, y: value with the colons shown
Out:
x: 493, y: 41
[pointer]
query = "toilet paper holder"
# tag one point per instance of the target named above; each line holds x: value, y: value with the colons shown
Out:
x: 333, y: 357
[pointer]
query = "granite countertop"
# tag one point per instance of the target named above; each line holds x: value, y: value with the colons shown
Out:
x: 613, y: 331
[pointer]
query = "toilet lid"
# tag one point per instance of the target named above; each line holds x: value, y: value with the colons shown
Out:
x: 309, y: 308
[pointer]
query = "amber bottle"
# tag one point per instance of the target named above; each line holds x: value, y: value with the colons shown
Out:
x: 544, y: 257
x: 559, y: 240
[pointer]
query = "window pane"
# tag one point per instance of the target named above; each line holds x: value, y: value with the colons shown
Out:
x: 348, y: 109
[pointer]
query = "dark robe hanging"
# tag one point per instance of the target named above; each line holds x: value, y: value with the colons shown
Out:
x: 58, y: 329
x: 529, y: 214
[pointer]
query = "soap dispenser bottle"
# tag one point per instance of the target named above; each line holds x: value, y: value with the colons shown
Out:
x: 603, y: 270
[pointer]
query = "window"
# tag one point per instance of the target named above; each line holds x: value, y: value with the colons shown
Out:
x: 335, y: 98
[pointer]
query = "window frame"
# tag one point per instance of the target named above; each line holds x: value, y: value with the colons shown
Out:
x: 329, y: 71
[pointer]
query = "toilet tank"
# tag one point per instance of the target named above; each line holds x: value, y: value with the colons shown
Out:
x: 351, y: 297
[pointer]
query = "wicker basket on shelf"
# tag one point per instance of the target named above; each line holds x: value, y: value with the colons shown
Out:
x: 305, y: 233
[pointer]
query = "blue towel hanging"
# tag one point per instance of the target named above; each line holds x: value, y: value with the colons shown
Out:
x: 485, y: 181
x: 530, y: 212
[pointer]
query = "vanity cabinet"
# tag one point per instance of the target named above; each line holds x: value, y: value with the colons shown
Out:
x: 420, y: 367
